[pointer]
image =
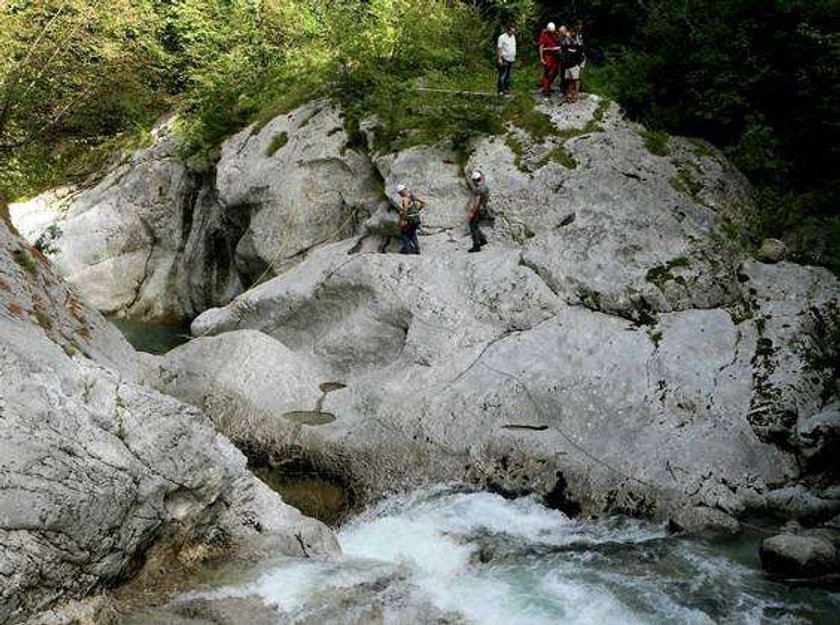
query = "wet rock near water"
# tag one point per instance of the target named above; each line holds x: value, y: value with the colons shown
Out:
x: 95, y: 467
x: 799, y: 556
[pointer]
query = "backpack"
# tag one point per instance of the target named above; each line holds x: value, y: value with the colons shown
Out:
x: 412, y: 213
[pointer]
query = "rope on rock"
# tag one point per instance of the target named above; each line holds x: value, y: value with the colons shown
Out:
x: 458, y: 92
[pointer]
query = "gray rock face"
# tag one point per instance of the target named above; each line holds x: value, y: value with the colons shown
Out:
x: 94, y: 467
x: 147, y: 242
x: 608, y: 348
x: 794, y: 310
x: 296, y: 184
x: 798, y: 556
x: 646, y: 235
x: 819, y: 436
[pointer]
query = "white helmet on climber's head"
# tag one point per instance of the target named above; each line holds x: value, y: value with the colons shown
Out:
x: 401, y: 189
x: 476, y: 175
x: 551, y: 27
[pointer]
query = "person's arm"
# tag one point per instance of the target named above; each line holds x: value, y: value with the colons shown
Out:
x: 499, y: 50
x: 421, y: 202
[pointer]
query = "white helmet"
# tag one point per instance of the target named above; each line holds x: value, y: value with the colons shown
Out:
x: 400, y: 188
x: 551, y: 27
x: 476, y: 175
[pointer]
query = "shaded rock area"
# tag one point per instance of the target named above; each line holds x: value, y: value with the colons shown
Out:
x: 96, y: 468
x: 149, y: 241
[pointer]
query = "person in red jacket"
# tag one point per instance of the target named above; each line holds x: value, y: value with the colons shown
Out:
x: 549, y: 47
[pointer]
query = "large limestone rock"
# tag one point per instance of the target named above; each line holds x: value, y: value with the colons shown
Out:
x: 149, y: 241
x: 95, y: 468
x: 468, y: 366
x: 296, y: 184
x: 647, y: 230
x: 608, y: 348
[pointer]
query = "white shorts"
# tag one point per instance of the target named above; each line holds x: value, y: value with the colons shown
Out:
x: 572, y: 73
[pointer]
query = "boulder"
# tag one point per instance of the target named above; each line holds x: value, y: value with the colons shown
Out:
x: 472, y: 361
x: 772, y: 251
x: 797, y: 502
x: 646, y: 233
x: 95, y: 467
x: 148, y: 241
x: 705, y: 522
x: 296, y: 184
x: 794, y: 556
x: 608, y: 348
x: 819, y: 436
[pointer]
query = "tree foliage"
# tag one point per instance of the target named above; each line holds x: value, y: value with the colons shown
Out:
x: 760, y: 78
x: 71, y: 72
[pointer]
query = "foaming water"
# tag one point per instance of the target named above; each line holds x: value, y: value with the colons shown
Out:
x: 443, y: 555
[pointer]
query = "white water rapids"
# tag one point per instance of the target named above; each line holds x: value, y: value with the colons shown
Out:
x: 448, y: 556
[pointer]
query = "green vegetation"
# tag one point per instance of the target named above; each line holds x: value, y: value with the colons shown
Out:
x: 701, y: 148
x: 685, y: 183
x: 588, y: 297
x: 662, y: 274
x: 657, y: 142
x: 516, y: 147
x: 43, y: 320
x: 655, y: 335
x: 561, y: 155
x: 24, y: 259
x: 80, y: 79
x: 277, y: 142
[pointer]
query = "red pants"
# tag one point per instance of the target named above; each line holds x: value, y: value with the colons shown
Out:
x: 551, y: 68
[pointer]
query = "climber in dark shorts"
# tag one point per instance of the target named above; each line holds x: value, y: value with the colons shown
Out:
x: 410, y: 207
x: 478, y: 210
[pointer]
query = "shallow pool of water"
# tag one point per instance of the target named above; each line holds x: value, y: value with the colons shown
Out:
x: 153, y: 338
x: 446, y: 555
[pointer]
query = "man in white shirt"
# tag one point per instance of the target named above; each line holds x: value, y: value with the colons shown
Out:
x: 505, y: 56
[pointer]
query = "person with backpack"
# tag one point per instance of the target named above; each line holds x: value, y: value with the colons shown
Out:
x: 574, y: 58
x: 549, y: 48
x: 410, y: 207
x: 478, y: 210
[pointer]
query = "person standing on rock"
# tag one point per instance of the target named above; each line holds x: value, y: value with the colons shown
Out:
x: 573, y: 61
x: 410, y: 207
x: 478, y: 210
x: 505, y: 57
x: 549, y: 48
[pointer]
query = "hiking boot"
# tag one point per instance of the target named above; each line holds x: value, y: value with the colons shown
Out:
x: 474, y: 248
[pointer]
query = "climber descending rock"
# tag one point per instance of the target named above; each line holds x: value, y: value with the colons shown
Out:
x: 478, y: 210
x: 410, y: 207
